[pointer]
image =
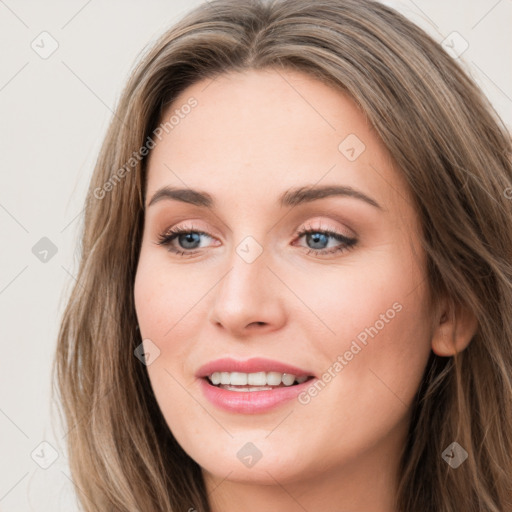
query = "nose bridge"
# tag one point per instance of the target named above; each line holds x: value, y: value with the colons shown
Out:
x: 246, y: 294
x: 248, y: 267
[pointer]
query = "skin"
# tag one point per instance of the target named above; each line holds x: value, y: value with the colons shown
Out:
x: 252, y: 136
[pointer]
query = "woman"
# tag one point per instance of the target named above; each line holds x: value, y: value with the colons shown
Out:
x: 295, y: 289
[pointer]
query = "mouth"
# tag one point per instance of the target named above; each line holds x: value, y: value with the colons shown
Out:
x: 256, y: 385
x: 257, y: 381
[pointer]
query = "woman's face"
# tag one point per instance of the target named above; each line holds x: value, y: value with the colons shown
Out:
x: 348, y: 310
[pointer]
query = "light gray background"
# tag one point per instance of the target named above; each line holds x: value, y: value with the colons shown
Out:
x: 54, y: 113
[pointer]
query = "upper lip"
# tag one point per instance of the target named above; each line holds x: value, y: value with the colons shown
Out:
x: 253, y: 365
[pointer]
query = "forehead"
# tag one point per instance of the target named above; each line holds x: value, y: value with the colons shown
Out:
x: 268, y: 130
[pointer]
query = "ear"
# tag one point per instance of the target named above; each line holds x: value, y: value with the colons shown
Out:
x: 454, y: 328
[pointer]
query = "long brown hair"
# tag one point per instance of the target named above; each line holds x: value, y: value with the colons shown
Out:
x: 455, y: 154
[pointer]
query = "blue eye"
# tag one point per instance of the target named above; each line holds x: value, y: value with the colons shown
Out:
x: 319, y: 237
x: 189, y: 240
x: 186, y: 236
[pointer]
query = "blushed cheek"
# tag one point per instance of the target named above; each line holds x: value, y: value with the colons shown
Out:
x: 148, y: 301
x: 167, y: 317
x: 381, y: 332
x: 357, y: 314
x: 158, y: 299
x: 395, y: 355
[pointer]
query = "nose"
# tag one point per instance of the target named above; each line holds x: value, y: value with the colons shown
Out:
x: 249, y: 298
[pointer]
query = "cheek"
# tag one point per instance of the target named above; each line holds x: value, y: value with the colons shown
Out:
x: 161, y: 302
x: 376, y: 314
x: 163, y: 296
x: 373, y: 367
x: 167, y: 306
x: 379, y: 342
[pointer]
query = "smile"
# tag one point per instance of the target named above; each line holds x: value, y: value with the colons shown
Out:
x: 259, y: 381
x: 251, y: 399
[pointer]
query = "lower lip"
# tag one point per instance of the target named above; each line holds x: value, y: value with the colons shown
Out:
x: 251, y: 402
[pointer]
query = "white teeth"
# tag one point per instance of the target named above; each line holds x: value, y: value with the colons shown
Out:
x: 254, y: 379
x: 274, y: 378
x: 257, y: 379
x: 238, y: 379
x: 288, y: 379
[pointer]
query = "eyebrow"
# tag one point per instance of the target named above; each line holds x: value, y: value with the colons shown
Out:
x: 292, y: 197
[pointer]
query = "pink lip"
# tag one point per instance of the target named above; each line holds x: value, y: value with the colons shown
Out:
x: 256, y: 364
x: 250, y: 402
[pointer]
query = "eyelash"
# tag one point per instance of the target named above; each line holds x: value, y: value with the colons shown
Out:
x: 167, y: 238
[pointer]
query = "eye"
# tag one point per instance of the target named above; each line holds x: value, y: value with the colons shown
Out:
x: 189, y: 239
x: 319, y: 238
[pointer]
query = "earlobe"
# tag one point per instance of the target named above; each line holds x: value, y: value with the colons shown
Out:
x: 454, y: 330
